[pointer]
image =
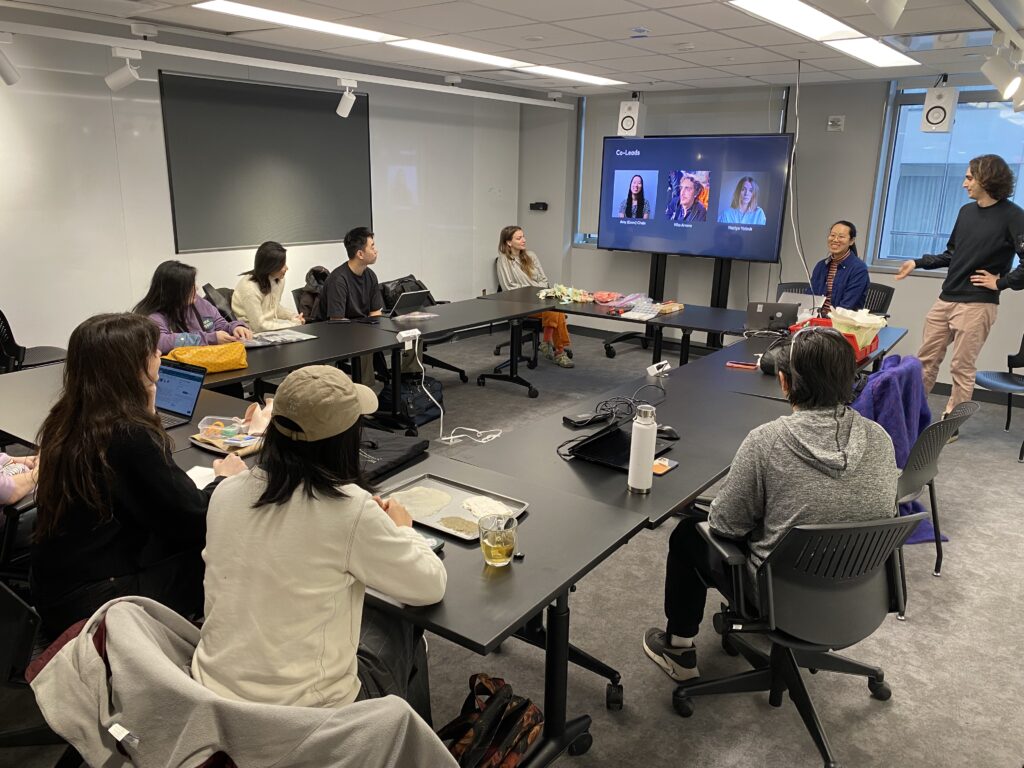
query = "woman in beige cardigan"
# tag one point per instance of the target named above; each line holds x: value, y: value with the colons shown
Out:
x: 257, y: 297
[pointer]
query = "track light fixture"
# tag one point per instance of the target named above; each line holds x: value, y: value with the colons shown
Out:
x: 8, y: 72
x: 348, y: 99
x: 126, y: 75
x: 1000, y: 70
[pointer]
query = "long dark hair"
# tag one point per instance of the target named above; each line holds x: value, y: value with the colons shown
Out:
x: 270, y: 258
x: 853, y: 233
x: 320, y: 467
x: 170, y: 294
x: 635, y: 205
x: 103, y: 392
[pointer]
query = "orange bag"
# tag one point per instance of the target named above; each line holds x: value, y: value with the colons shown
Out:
x: 214, y: 358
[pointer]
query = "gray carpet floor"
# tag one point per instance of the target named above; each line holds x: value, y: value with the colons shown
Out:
x: 953, y: 667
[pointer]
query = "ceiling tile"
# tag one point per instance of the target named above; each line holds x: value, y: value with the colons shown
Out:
x: 945, y: 19
x: 734, y: 56
x: 549, y: 10
x: 374, y: 6
x: 808, y: 49
x: 670, y: 3
x: 666, y: 87
x: 388, y: 54
x: 727, y: 82
x: 887, y: 73
x: 951, y: 56
x: 520, y: 37
x: 640, y: 63
x: 701, y: 41
x: 766, y: 34
x: 459, y: 16
x: 811, y: 77
x: 591, y: 51
x: 537, y: 57
x: 618, y: 26
x: 766, y: 68
x: 393, y: 25
x: 445, y: 64
x: 714, y: 16
x: 686, y: 74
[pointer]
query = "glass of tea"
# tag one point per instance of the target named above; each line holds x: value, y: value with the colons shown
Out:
x: 498, y: 539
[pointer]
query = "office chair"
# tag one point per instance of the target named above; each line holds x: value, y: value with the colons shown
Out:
x: 823, y: 588
x: 221, y: 299
x: 19, y: 635
x: 390, y: 292
x: 923, y: 465
x: 791, y: 288
x: 878, y: 298
x: 1009, y: 382
x: 14, y: 357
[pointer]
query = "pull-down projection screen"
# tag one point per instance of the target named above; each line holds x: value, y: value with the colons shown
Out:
x: 250, y: 162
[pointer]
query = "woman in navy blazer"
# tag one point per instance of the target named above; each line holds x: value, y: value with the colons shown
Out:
x: 849, y: 287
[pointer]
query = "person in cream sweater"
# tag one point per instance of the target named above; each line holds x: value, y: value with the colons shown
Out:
x: 257, y: 297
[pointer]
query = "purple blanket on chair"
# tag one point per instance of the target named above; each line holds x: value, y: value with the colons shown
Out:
x: 894, y: 397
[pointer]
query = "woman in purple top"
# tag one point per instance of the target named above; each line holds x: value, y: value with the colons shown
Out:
x: 184, y: 318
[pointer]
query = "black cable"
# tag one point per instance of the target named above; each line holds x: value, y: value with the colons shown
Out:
x: 619, y: 409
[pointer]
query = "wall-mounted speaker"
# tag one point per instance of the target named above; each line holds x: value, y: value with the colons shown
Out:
x: 631, y: 118
x: 939, y: 110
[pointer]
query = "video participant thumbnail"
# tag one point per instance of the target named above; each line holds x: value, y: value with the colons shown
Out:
x: 745, y: 205
x: 634, y: 194
x: 689, y: 193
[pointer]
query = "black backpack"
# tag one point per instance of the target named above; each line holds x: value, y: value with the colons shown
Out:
x: 414, y: 403
x: 392, y: 289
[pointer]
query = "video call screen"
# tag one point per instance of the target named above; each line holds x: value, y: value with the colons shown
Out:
x: 715, y: 196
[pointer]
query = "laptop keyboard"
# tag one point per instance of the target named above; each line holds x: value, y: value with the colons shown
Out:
x: 168, y: 420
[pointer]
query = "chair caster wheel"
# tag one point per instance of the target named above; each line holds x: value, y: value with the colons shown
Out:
x: 880, y: 690
x: 531, y: 364
x: 682, y: 704
x: 613, y: 697
x: 480, y: 381
x: 412, y: 432
x: 609, y: 350
x: 728, y: 647
x: 532, y: 392
x: 644, y: 343
x: 497, y: 370
x: 812, y: 670
x: 463, y: 378
x: 581, y: 745
x: 497, y: 351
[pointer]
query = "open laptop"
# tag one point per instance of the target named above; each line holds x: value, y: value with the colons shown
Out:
x: 770, y: 316
x: 610, y: 446
x: 177, y: 392
x: 411, y: 301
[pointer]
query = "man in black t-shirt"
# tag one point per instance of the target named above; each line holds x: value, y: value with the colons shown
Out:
x: 979, y: 255
x: 351, y: 291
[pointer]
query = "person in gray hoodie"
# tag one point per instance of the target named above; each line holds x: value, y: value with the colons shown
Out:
x: 822, y: 463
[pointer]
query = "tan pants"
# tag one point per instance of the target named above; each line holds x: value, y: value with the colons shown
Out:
x: 964, y: 324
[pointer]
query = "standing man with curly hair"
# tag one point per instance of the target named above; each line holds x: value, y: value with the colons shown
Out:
x: 978, y: 258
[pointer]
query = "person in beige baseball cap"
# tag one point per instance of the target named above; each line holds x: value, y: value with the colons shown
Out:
x: 290, y: 549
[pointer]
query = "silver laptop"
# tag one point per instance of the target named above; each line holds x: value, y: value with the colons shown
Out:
x: 177, y: 392
x: 411, y: 301
x: 770, y: 316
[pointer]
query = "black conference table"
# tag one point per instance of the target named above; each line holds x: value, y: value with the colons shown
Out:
x: 691, y: 318
x: 27, y: 396
x: 711, y: 422
x: 461, y: 315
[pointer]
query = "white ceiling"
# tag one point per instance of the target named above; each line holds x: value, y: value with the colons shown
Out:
x: 649, y: 44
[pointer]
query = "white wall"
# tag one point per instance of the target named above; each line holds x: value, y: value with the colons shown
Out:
x: 85, y: 211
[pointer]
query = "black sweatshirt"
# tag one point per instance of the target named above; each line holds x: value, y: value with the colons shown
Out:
x: 982, y: 238
x: 157, y: 526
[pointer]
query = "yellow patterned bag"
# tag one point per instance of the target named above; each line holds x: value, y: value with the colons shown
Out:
x: 214, y: 358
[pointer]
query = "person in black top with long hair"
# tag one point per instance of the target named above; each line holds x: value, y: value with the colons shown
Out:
x: 635, y: 206
x: 116, y: 515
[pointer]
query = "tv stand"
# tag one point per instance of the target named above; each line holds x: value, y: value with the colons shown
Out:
x: 656, y: 290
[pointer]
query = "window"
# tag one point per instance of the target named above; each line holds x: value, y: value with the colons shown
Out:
x: 922, y: 191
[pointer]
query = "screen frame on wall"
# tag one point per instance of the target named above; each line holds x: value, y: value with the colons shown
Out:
x: 776, y: 252
x: 328, y: 94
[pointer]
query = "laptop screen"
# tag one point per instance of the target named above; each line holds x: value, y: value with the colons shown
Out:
x: 178, y: 388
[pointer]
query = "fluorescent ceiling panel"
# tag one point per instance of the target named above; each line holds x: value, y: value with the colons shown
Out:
x: 291, y: 20
x: 499, y: 62
x: 798, y: 17
x: 566, y: 74
x: 872, y: 52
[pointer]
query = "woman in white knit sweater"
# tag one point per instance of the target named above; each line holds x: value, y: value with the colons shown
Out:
x: 257, y: 297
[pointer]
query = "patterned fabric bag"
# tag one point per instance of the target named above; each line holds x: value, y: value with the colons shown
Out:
x: 214, y: 358
x: 495, y: 728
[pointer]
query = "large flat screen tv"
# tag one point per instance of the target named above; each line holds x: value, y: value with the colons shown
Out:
x: 250, y: 162
x: 716, y: 196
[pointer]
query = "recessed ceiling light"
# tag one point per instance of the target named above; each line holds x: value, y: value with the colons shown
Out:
x: 499, y: 62
x: 872, y: 52
x: 566, y: 74
x: 291, y: 20
x: 639, y: 32
x: 798, y: 17
x: 534, y: 38
x: 685, y: 46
